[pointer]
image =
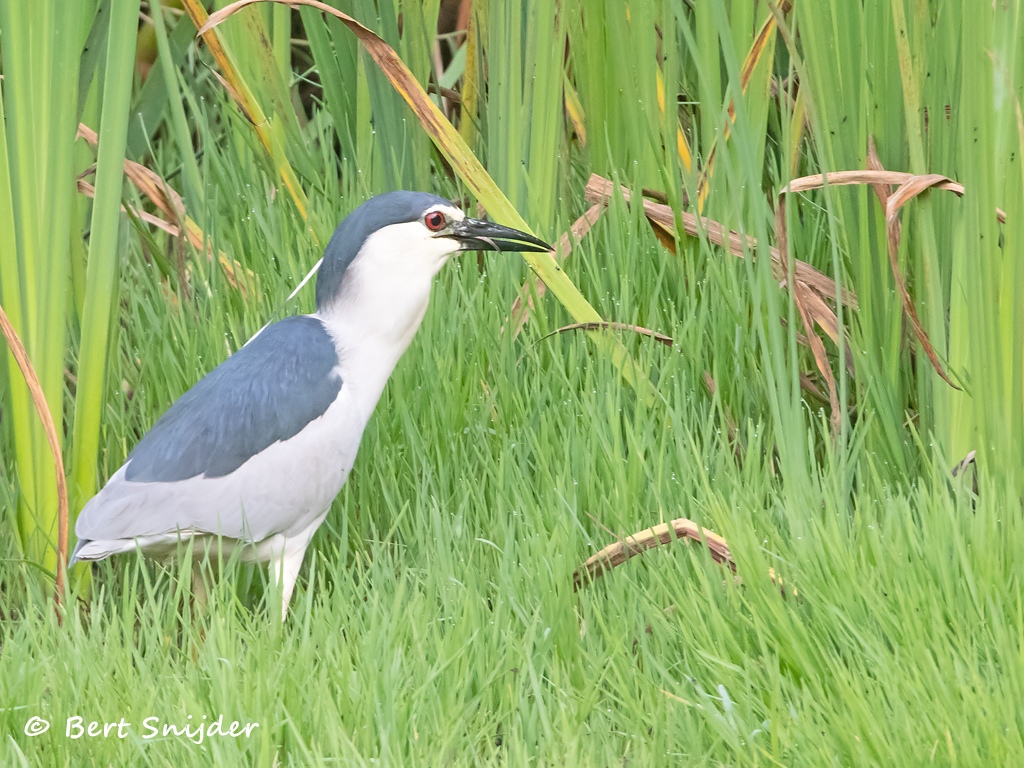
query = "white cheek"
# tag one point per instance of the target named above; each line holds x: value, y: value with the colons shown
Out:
x: 443, y: 248
x: 408, y: 250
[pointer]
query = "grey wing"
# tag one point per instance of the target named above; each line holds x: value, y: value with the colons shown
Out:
x: 267, y: 392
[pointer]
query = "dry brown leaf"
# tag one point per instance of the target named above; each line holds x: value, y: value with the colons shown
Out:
x: 520, y: 312
x: 148, y: 182
x: 600, y: 189
x: 89, y: 190
x: 43, y: 410
x: 852, y: 178
x: 813, y: 311
x: 882, y: 190
x: 810, y: 388
x: 665, y: 234
x: 803, y: 299
x: 908, y: 186
x: 903, y: 195
x: 875, y: 176
x: 163, y: 196
x: 826, y: 319
x: 236, y: 97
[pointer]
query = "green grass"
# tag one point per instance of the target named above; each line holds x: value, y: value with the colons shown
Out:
x: 435, y: 621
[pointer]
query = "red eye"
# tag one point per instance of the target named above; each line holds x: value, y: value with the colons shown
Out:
x: 435, y: 221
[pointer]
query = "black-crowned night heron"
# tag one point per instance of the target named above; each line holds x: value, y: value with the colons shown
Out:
x: 252, y: 456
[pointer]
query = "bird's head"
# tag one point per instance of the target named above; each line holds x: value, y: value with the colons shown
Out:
x: 403, y: 237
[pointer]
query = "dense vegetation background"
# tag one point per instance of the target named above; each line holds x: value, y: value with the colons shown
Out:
x: 816, y: 398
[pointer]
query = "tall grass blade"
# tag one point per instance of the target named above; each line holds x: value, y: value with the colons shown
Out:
x: 102, y: 270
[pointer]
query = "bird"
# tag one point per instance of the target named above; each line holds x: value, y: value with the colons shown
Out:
x: 253, y: 455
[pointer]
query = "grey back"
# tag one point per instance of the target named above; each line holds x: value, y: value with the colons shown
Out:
x: 267, y: 391
x: 376, y: 213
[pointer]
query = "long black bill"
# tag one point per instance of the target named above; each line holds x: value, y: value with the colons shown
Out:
x: 476, y: 235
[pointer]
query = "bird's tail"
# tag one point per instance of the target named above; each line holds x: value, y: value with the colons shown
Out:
x: 82, y: 543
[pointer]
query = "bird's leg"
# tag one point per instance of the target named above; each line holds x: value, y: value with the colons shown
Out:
x: 284, y: 570
x: 285, y: 563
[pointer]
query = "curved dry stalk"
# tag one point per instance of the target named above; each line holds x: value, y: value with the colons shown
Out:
x: 881, y: 182
x: 665, y: 533
x: 43, y: 409
x: 878, y: 178
x: 87, y: 189
x: 681, y: 528
x: 860, y: 177
x: 604, y: 325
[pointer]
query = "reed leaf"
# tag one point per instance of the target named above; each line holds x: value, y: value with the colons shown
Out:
x: 104, y: 257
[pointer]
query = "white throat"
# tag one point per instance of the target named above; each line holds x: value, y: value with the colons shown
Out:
x: 379, y: 307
